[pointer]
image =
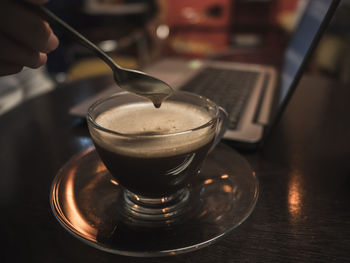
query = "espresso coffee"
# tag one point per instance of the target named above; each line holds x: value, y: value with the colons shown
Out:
x: 143, y: 155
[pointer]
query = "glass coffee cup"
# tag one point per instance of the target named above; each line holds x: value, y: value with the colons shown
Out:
x: 155, y: 154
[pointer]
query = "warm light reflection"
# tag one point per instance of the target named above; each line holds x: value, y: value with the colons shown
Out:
x: 224, y: 176
x: 73, y: 214
x: 203, y: 213
x: 133, y: 209
x: 208, y: 181
x: 167, y: 215
x: 114, y: 182
x: 295, y: 196
x: 227, y: 189
x: 100, y: 168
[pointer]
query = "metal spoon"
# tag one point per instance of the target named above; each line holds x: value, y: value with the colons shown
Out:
x: 131, y: 80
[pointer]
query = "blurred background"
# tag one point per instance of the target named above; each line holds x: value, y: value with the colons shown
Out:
x: 137, y: 33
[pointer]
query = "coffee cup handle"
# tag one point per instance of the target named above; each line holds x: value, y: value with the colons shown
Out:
x: 221, y: 128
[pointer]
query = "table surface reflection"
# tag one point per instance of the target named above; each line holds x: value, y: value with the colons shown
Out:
x: 302, y: 214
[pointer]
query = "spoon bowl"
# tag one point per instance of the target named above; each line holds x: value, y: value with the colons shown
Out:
x: 142, y: 84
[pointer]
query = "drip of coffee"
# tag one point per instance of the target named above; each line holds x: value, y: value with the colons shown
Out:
x: 152, y: 89
x: 157, y: 99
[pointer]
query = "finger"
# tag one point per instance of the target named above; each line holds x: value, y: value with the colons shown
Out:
x: 9, y: 69
x: 12, y: 52
x: 26, y: 27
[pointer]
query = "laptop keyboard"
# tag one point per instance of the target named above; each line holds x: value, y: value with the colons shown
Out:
x: 229, y: 88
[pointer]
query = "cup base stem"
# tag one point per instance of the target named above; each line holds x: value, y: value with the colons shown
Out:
x: 155, y: 212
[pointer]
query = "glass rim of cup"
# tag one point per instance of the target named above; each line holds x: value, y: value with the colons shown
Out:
x: 91, y: 120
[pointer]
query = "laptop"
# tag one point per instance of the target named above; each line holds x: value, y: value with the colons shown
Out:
x: 253, y: 95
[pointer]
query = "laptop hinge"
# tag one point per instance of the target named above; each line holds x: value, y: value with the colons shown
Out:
x: 262, y: 114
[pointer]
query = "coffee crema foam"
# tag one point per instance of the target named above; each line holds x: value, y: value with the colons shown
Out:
x: 145, y: 119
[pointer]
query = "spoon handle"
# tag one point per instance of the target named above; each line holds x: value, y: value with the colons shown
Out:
x: 52, y: 18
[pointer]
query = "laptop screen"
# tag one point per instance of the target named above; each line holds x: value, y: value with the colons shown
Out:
x: 301, y: 43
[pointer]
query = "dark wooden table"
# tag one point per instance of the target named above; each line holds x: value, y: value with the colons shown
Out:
x: 302, y: 215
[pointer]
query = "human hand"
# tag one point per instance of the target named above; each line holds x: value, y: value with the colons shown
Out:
x: 25, y: 38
